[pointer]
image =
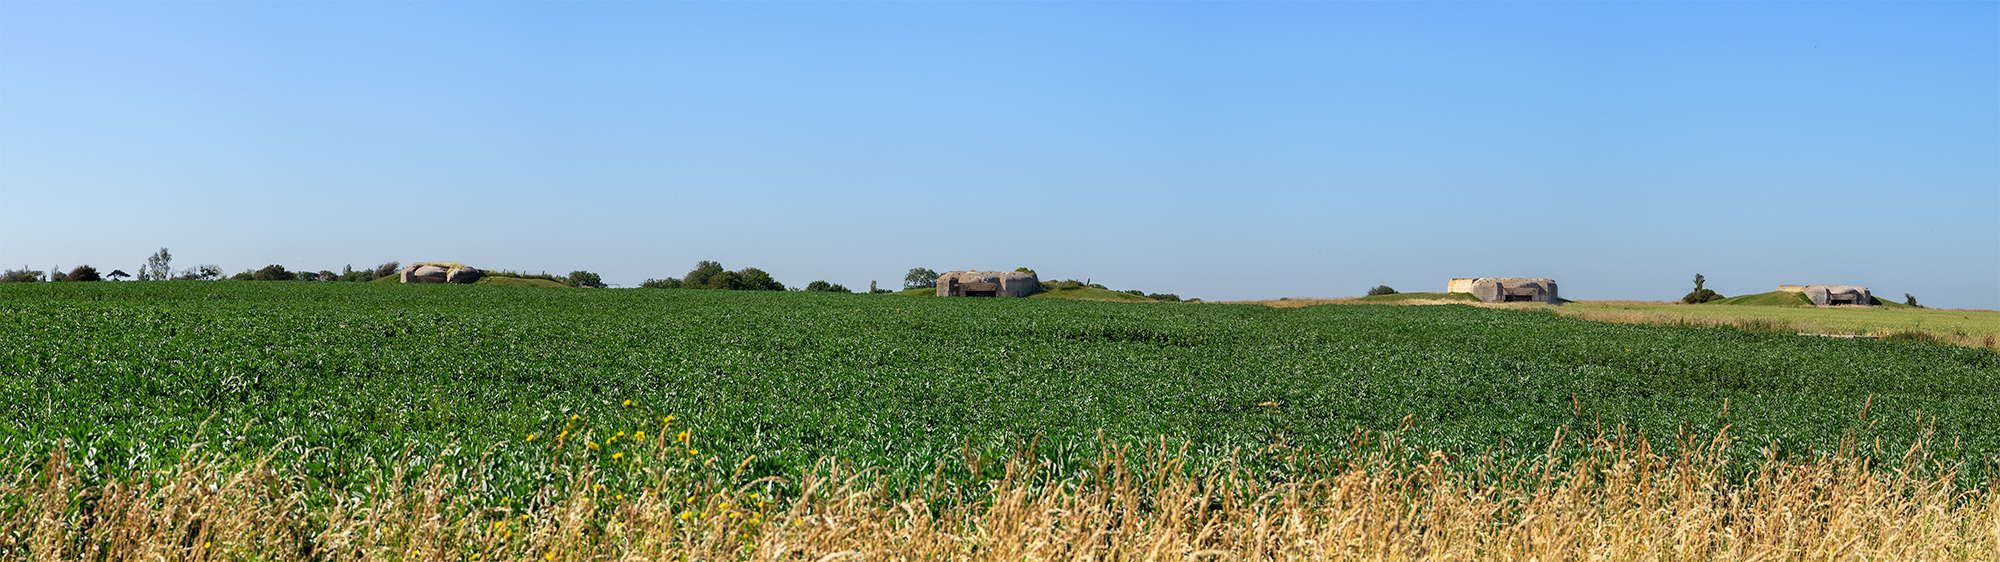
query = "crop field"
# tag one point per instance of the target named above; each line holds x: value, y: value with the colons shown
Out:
x: 517, y: 389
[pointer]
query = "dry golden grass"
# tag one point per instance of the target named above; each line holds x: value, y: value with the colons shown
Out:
x: 1761, y: 319
x: 1605, y: 498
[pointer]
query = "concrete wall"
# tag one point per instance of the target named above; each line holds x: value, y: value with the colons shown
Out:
x: 1009, y: 283
x: 1497, y: 289
x: 1827, y: 295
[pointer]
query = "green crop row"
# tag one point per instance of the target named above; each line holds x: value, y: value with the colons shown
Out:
x: 128, y: 376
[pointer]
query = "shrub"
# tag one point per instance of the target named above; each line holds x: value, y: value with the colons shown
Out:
x: 1164, y: 297
x: 582, y: 278
x: 668, y: 283
x: 273, y: 272
x: 83, y: 273
x: 387, y: 269
x: 1380, y: 290
x: 823, y: 286
x: 1910, y: 300
x: 204, y: 272
x: 920, y: 278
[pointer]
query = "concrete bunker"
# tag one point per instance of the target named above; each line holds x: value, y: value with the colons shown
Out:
x: 1507, y: 289
x: 987, y: 284
x: 1833, y: 295
x: 441, y: 272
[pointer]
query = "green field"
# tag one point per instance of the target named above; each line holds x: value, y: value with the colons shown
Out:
x: 127, y: 375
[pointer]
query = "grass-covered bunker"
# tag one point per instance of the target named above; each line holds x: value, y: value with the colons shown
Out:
x: 987, y: 284
x: 1507, y: 289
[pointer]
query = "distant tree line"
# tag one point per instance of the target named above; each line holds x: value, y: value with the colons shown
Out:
x: 711, y: 275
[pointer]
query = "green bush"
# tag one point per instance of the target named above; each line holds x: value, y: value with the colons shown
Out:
x: 668, y: 283
x: 823, y: 286
x: 273, y: 272
x: 1380, y: 290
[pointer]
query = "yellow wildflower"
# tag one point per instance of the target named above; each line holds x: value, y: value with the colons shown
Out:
x: 531, y: 437
x: 628, y: 403
x: 617, y: 456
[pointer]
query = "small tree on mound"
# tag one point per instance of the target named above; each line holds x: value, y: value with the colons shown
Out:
x: 1700, y: 295
x: 920, y: 278
x: 1380, y: 290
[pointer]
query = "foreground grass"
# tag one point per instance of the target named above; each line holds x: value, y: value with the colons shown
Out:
x: 1602, y: 498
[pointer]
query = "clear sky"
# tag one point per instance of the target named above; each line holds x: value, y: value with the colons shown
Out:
x: 1214, y: 150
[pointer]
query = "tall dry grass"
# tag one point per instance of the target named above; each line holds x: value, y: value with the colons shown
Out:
x: 1603, y: 498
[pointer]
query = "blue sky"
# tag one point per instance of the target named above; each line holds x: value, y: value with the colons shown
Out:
x: 1214, y: 150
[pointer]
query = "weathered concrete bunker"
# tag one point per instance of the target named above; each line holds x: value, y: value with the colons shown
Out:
x: 440, y: 272
x: 987, y: 284
x: 1832, y: 295
x: 1507, y: 289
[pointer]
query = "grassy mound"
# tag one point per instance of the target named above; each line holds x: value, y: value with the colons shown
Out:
x: 392, y: 278
x: 516, y: 282
x: 917, y: 292
x: 1090, y: 294
x: 1773, y: 298
x: 1402, y: 297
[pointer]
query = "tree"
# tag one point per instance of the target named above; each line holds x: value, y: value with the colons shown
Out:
x: 920, y: 278
x: 273, y: 272
x: 668, y: 283
x: 117, y: 275
x: 582, y: 278
x: 159, y: 267
x: 1700, y: 295
x: 823, y: 286
x: 83, y: 273
x: 1380, y: 290
x: 307, y: 276
x: 55, y: 274
x: 757, y: 280
x: 386, y: 270
x: 1910, y: 300
x: 22, y: 275
x: 203, y: 272
x: 702, y: 277
x: 325, y: 275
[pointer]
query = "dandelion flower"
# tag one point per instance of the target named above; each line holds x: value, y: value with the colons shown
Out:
x: 628, y: 403
x: 531, y: 437
x: 617, y: 456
